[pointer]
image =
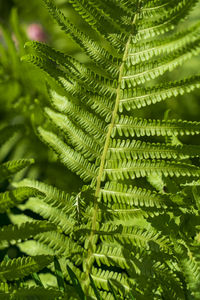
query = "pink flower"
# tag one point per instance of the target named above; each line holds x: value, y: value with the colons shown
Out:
x: 36, y: 32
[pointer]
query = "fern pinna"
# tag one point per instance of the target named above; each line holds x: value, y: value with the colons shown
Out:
x: 132, y: 231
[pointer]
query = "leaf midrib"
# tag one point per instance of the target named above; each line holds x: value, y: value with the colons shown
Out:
x: 89, y: 262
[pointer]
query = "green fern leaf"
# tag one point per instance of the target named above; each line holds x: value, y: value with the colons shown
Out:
x: 25, y: 230
x: 21, y: 267
x: 128, y: 126
x: 9, y: 168
x: 12, y: 198
x: 68, y: 156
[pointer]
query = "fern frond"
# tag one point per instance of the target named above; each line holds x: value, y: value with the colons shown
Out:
x: 38, y: 292
x: 128, y: 259
x: 138, y: 98
x: 122, y: 194
x: 129, y: 126
x: 143, y: 72
x: 144, y: 51
x: 11, y: 167
x: 141, y: 238
x: 135, y: 149
x: 55, y: 215
x: 87, y: 79
x: 69, y: 157
x: 122, y: 236
x: 117, y: 170
x: 53, y: 196
x: 166, y: 23
x: 99, y: 19
x: 101, y: 278
x: 21, y: 267
x: 25, y: 230
x: 191, y: 269
x: 81, y: 142
x: 86, y: 120
x: 47, y: 65
x: 12, y: 198
x: 97, y: 53
x: 124, y: 212
x: 34, y: 248
x: 61, y: 245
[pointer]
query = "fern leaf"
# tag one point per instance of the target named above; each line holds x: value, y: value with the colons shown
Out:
x: 83, y: 143
x: 39, y: 292
x: 25, y: 230
x: 87, y: 78
x: 9, y: 168
x: 89, y: 122
x: 61, y: 245
x: 191, y: 268
x: 54, y: 215
x: 140, y: 127
x: 21, y: 267
x: 166, y: 23
x: 47, y: 65
x: 95, y: 16
x: 141, y: 238
x: 140, y: 73
x: 117, y: 170
x: 94, y: 51
x: 145, y: 51
x: 134, y: 149
x: 135, y: 99
x: 70, y: 158
x: 122, y: 194
x: 120, y: 235
x: 128, y: 259
x: 101, y: 277
x: 34, y: 248
x: 12, y: 198
x: 53, y: 196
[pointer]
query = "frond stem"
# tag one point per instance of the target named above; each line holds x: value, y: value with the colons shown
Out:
x: 91, y: 242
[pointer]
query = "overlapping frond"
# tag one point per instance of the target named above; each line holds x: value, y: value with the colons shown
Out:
x: 55, y: 215
x: 61, y: 245
x: 9, y: 168
x: 25, y: 230
x: 51, y: 195
x: 190, y: 266
x: 21, y: 267
x: 29, y: 292
x: 69, y: 157
x: 12, y: 198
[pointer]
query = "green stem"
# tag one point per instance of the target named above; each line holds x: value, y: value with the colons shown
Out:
x: 91, y: 238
